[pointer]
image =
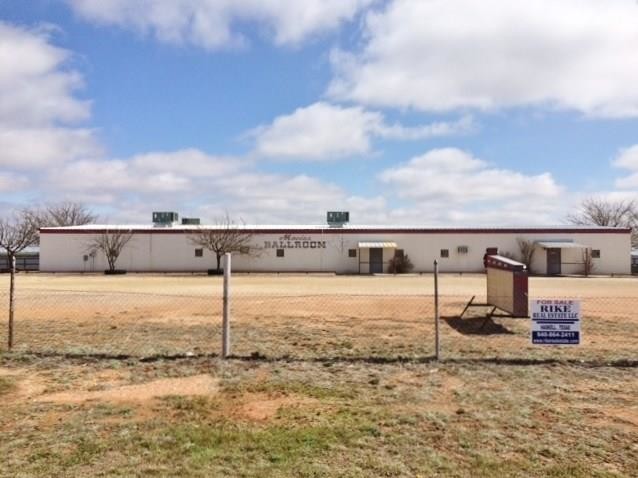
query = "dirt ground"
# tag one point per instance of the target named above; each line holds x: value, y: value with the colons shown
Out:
x: 294, y: 418
x: 304, y: 284
x: 330, y: 376
x: 305, y: 316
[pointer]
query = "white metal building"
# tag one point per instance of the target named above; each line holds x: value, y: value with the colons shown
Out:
x: 344, y: 249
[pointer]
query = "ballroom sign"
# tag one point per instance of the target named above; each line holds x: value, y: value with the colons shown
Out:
x: 289, y: 241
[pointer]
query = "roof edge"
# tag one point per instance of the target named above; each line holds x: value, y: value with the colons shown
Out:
x: 349, y: 230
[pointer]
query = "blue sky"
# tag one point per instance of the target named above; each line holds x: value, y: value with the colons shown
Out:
x: 404, y: 111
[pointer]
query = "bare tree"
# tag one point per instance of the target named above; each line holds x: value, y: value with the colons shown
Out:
x: 527, y: 249
x: 602, y: 212
x: 111, y: 243
x: 225, y: 236
x: 16, y: 234
x: 62, y: 214
x: 69, y: 214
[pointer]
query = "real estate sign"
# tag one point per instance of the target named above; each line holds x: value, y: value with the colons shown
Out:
x: 555, y: 321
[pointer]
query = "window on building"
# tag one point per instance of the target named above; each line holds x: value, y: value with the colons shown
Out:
x: 244, y: 250
x: 595, y: 253
x: 462, y: 249
x: 199, y: 252
x: 352, y: 253
x: 280, y: 253
x: 445, y: 253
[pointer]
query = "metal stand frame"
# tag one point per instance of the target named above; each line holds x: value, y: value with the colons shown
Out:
x: 489, y: 315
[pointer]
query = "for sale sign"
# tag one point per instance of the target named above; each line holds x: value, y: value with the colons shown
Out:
x: 555, y: 321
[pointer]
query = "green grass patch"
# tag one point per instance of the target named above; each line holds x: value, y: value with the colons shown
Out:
x: 345, y: 420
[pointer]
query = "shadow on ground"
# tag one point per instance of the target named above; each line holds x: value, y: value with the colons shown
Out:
x: 476, y: 326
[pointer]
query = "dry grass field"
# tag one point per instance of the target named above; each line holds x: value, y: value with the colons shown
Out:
x: 304, y: 316
x: 331, y: 376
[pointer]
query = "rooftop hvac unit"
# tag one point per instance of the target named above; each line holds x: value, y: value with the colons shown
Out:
x: 190, y: 221
x: 338, y: 218
x: 163, y: 218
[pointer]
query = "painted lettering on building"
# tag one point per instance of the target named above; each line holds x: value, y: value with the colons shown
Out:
x: 289, y: 241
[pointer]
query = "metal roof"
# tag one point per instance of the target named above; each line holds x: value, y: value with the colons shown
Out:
x: 504, y: 263
x: 507, y: 260
x: 375, y: 245
x: 348, y: 228
x: 561, y: 245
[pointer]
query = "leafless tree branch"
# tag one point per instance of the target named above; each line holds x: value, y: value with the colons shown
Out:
x: 16, y: 234
x: 59, y: 215
x: 225, y: 236
x: 111, y: 243
x: 601, y: 212
x: 527, y: 249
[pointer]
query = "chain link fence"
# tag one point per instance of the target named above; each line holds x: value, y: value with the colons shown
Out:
x: 402, y: 326
x: 297, y: 317
x: 113, y: 322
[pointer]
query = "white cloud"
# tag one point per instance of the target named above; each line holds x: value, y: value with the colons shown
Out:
x: 441, y: 128
x: 319, y: 131
x: 30, y: 148
x: 444, y: 187
x: 10, y: 182
x: 190, y: 162
x: 200, y: 184
x: 214, y: 24
x: 628, y: 159
x: 188, y: 172
x: 323, y: 131
x: 285, y: 199
x: 35, y: 88
x: 38, y: 106
x: 451, y: 176
x: 437, y: 55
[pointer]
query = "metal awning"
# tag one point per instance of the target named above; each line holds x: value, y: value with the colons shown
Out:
x: 375, y: 245
x: 561, y: 245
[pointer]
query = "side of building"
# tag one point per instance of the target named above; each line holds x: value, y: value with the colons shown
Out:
x: 346, y: 250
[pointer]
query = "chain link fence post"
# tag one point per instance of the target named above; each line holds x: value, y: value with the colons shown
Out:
x: 226, y: 312
x: 437, y: 343
x: 11, y: 301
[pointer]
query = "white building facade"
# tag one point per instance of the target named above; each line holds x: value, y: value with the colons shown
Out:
x: 345, y: 249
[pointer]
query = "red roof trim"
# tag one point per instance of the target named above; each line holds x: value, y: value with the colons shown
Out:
x: 361, y: 231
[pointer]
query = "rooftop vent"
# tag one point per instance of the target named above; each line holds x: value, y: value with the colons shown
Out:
x: 338, y: 218
x: 163, y: 218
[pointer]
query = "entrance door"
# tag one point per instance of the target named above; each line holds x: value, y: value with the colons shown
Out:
x: 553, y: 262
x: 376, y: 260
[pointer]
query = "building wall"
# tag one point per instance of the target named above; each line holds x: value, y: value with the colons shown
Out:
x: 171, y: 251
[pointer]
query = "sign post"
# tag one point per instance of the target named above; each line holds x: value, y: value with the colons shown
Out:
x: 555, y: 321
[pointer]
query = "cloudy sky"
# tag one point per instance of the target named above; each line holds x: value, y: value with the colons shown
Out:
x: 431, y: 112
